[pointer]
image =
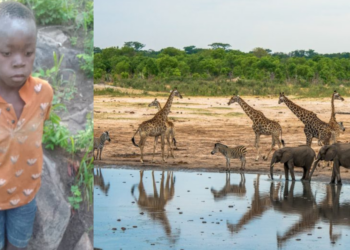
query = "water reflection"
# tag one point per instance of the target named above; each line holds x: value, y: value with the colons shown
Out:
x: 329, y: 210
x: 99, y: 181
x: 230, y: 189
x: 260, y: 203
x: 276, y: 214
x: 154, y: 205
x: 283, y: 199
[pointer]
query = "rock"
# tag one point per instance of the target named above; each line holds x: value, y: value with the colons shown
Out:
x: 84, y: 243
x: 53, y: 211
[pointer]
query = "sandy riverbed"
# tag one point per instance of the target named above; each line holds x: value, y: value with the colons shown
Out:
x: 200, y: 122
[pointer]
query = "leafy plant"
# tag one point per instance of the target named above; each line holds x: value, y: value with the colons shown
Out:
x: 76, y: 199
x: 55, y: 134
x: 87, y: 59
x: 51, y: 12
x: 64, y: 89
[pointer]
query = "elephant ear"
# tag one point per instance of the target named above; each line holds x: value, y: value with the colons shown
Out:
x: 330, y: 154
x: 286, y: 156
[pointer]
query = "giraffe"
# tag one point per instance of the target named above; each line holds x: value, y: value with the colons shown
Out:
x: 155, y: 127
x: 333, y: 122
x: 261, y: 125
x: 170, y: 129
x: 314, y: 127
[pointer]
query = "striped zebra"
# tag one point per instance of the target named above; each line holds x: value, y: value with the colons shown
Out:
x: 170, y: 128
x: 100, y: 142
x: 231, y: 153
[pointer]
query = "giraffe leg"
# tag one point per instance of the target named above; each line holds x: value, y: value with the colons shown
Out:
x: 143, y: 137
x: 154, y: 146
x: 163, y: 144
x: 170, y: 148
x: 257, y: 145
x: 272, y: 146
x: 308, y: 140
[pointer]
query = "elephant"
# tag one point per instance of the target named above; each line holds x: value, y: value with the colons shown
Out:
x: 339, y: 153
x: 301, y: 156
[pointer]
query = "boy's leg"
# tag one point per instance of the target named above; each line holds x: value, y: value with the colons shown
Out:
x: 2, y: 230
x: 19, y: 225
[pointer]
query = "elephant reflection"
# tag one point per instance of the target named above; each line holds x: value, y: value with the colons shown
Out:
x: 328, y: 210
x: 99, y: 181
x: 260, y: 204
x: 230, y: 189
x: 154, y: 205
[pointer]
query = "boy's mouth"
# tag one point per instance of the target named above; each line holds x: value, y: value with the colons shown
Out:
x: 18, y: 77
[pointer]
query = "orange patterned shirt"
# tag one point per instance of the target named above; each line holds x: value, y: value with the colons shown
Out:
x: 21, y: 154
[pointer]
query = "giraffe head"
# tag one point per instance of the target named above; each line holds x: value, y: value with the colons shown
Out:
x: 234, y: 98
x: 337, y: 96
x: 155, y: 103
x: 281, y: 98
x: 177, y: 93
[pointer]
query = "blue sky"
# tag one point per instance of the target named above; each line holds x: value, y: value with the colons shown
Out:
x: 280, y: 25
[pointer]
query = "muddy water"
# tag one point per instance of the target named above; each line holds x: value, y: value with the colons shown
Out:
x: 192, y: 210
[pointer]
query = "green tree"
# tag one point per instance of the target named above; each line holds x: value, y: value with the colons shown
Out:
x: 260, y: 52
x: 135, y: 45
x: 224, y: 46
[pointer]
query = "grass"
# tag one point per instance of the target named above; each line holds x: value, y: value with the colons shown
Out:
x: 220, y: 108
x: 234, y: 114
x: 217, y: 87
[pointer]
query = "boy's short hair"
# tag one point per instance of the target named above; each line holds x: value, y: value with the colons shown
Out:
x: 15, y: 10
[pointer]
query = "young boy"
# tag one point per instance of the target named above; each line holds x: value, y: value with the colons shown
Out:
x: 25, y: 104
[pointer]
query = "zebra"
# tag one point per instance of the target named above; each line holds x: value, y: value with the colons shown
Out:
x: 231, y: 153
x: 341, y: 126
x: 100, y: 142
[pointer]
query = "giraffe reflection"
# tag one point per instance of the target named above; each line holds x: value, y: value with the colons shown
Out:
x: 260, y: 204
x: 230, y: 189
x: 99, y: 181
x: 154, y: 204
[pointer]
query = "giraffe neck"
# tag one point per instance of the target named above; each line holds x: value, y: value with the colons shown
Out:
x: 159, y: 106
x: 333, y: 111
x: 164, y: 112
x: 251, y: 113
x: 301, y: 113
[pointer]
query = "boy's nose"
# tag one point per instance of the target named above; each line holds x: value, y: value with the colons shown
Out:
x: 18, y: 61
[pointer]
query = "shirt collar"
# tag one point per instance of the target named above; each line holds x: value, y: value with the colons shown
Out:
x: 25, y: 92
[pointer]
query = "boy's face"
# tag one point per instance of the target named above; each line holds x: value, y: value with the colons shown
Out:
x: 17, y: 51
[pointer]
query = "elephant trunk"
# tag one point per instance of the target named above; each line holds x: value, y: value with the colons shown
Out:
x: 314, y: 166
x: 273, y: 161
x: 271, y: 170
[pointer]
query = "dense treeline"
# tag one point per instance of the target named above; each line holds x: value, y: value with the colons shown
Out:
x: 212, y: 71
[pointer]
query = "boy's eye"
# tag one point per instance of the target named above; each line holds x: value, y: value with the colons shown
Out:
x: 6, y: 54
x: 29, y: 53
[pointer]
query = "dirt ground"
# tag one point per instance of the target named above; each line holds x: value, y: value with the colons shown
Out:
x: 200, y: 122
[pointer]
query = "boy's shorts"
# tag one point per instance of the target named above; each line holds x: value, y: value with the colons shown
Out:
x: 16, y: 225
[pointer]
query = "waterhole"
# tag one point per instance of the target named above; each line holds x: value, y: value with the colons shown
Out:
x: 148, y: 209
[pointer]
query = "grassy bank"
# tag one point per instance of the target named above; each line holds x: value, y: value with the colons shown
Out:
x: 227, y: 87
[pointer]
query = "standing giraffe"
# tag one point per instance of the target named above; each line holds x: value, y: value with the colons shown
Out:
x: 170, y: 129
x: 314, y: 127
x: 333, y: 122
x: 261, y: 125
x: 155, y: 127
